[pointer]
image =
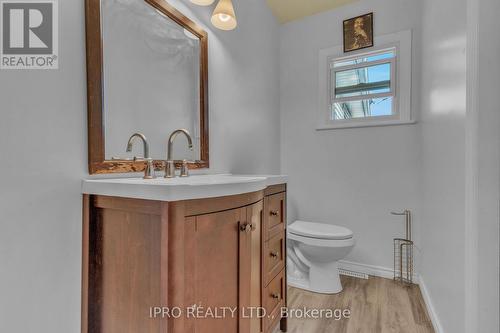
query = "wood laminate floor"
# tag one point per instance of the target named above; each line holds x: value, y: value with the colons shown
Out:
x: 376, y: 305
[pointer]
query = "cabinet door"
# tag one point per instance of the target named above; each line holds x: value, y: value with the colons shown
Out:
x: 251, y: 270
x: 214, y: 258
x: 224, y: 257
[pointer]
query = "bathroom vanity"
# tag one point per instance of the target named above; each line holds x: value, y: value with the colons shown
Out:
x: 201, y: 254
x: 217, y: 242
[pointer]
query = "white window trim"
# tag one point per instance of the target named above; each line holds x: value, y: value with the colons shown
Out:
x: 402, y: 103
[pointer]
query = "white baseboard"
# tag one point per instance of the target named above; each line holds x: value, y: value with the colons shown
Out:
x: 380, y: 271
x: 430, y: 307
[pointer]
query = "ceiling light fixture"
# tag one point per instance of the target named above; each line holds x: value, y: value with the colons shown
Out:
x: 203, y: 2
x: 224, y: 17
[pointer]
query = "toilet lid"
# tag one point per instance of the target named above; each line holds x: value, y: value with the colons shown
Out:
x: 319, y: 230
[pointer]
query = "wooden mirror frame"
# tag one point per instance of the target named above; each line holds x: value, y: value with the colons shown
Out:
x: 96, y: 132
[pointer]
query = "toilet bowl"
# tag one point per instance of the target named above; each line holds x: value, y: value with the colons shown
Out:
x: 313, y: 255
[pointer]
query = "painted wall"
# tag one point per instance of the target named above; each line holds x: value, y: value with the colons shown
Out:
x: 442, y: 135
x: 348, y: 177
x: 43, y: 136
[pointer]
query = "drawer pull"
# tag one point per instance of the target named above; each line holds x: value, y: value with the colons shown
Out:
x: 276, y: 296
x: 274, y: 213
x: 274, y: 254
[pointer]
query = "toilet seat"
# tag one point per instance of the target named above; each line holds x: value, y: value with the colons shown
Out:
x: 322, y: 242
x: 319, y: 231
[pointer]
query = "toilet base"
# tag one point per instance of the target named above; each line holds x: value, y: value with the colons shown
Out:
x: 300, y: 284
x: 322, y: 278
x: 325, y: 278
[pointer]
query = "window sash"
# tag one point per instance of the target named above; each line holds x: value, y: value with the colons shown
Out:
x: 362, y: 87
x: 363, y: 64
x: 365, y: 118
x: 362, y: 97
x: 392, y: 92
x: 333, y: 60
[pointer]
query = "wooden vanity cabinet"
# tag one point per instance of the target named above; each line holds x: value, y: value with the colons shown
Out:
x: 212, y: 253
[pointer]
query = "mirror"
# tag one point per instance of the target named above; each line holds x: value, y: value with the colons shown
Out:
x: 147, y: 73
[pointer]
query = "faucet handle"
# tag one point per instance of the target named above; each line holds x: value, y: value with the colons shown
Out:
x: 185, y: 169
x: 149, y: 172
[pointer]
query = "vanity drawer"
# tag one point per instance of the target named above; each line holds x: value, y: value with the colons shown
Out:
x: 274, y: 257
x: 274, y: 215
x: 273, y: 299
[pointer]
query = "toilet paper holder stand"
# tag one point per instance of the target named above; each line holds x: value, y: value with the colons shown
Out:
x: 403, y: 252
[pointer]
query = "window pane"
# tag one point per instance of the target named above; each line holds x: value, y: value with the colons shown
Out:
x: 362, y: 81
x: 368, y: 58
x: 373, y: 107
x: 380, y: 56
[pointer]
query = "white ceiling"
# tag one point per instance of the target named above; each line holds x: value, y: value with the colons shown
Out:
x: 289, y: 10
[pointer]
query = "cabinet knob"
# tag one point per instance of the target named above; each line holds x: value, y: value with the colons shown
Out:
x: 274, y: 213
x: 247, y: 227
x: 276, y: 295
x: 274, y: 254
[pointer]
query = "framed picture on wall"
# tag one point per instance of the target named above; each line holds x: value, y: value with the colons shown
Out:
x: 358, y: 32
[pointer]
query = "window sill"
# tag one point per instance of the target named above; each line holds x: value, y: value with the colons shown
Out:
x: 355, y: 124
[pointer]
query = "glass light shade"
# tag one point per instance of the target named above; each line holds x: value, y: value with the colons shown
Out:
x: 223, y: 17
x: 203, y: 2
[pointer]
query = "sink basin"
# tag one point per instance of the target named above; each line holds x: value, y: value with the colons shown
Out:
x: 175, y: 189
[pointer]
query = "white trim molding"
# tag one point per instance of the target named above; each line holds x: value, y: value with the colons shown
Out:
x: 436, y: 323
x: 372, y: 270
x: 471, y: 287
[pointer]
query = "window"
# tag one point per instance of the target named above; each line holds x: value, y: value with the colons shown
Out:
x: 363, y: 86
x: 366, y: 89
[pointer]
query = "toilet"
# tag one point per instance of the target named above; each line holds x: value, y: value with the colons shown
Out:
x: 314, y: 250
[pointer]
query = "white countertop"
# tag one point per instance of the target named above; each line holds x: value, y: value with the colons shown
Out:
x: 175, y: 189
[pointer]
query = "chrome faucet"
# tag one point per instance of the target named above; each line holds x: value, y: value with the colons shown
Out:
x: 149, y: 172
x: 170, y: 164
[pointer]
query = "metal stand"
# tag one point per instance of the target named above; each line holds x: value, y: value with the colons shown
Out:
x: 403, y: 253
